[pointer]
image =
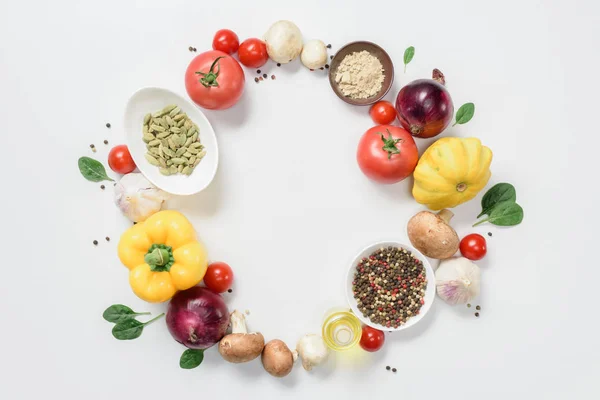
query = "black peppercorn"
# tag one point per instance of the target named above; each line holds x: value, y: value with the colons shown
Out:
x: 107, y: 239
x: 258, y: 71
x: 92, y: 146
x: 331, y: 57
x: 108, y: 125
x: 190, y: 48
x: 478, y: 308
x: 490, y: 234
x: 229, y: 290
x: 279, y: 64
x: 95, y: 243
x: 388, y: 368
x: 477, y: 314
x: 394, y: 370
x: 106, y: 142
x: 102, y: 187
x: 328, y: 46
x: 256, y: 80
x: 264, y: 75
x: 327, y: 66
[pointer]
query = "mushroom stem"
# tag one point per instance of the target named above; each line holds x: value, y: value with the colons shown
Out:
x: 238, y: 322
x: 446, y: 215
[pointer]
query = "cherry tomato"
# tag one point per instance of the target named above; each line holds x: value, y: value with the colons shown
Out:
x: 387, y: 154
x: 473, y: 247
x: 214, y: 80
x: 218, y: 277
x: 120, y: 161
x: 226, y: 41
x: 383, y: 113
x: 253, y: 53
x: 372, y: 339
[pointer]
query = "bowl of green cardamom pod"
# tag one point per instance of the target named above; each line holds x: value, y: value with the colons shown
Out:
x: 171, y: 141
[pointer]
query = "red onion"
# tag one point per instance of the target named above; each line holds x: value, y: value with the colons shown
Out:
x: 424, y: 108
x: 197, y: 318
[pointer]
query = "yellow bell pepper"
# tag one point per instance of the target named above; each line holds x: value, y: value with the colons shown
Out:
x: 163, y: 256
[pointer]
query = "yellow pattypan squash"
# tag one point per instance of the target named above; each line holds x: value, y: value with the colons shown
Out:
x: 451, y: 171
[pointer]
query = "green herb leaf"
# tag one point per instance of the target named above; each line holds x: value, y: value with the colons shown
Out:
x: 507, y: 213
x: 128, y: 329
x: 92, y: 170
x: 465, y: 113
x: 191, y: 358
x: 118, y: 312
x: 497, y: 194
x: 409, y: 53
x: 131, y: 328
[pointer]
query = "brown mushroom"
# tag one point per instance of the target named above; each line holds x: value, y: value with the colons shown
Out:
x: 432, y: 235
x: 278, y: 359
x: 240, y: 346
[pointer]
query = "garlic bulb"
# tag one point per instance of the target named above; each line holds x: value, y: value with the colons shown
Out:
x: 313, y: 351
x: 457, y: 280
x: 137, y: 198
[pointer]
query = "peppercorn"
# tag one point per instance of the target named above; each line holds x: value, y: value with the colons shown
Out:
x: 279, y: 64
x: 195, y: 49
x: 102, y: 187
x: 489, y: 234
x: 256, y: 80
x: 260, y: 78
x: 311, y: 70
x: 388, y: 368
x: 265, y: 76
x: 322, y: 68
x: 95, y: 243
x: 272, y: 77
x: 478, y: 308
x: 477, y: 314
x: 108, y: 125
x: 107, y: 239
x: 190, y: 48
x: 327, y: 66
x: 331, y: 57
x: 328, y: 46
x: 229, y: 290
x: 92, y: 146
x: 258, y: 71
x: 394, y: 370
x: 469, y: 305
x: 105, y: 141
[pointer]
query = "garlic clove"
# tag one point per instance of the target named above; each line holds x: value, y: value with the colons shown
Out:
x: 457, y: 280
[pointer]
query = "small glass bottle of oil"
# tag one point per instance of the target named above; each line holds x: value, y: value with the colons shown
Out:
x: 341, y: 330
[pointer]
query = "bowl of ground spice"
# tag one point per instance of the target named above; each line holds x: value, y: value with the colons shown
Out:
x: 390, y: 286
x: 361, y: 73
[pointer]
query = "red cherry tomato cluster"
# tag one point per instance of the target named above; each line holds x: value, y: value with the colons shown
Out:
x: 251, y: 52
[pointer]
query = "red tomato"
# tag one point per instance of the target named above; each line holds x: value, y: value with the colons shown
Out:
x: 372, y: 339
x: 383, y: 113
x: 253, y: 53
x: 473, y: 247
x: 214, y: 80
x: 387, y: 154
x: 226, y: 41
x: 120, y: 161
x: 218, y: 277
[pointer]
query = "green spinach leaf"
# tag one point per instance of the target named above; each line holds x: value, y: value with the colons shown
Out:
x: 92, y: 170
x: 191, y: 358
x: 507, y: 213
x: 497, y: 194
x: 409, y: 53
x: 130, y: 328
x: 465, y: 113
x: 118, y: 312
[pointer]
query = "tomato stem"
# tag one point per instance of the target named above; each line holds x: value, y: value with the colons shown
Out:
x: 389, y: 144
x: 209, y: 79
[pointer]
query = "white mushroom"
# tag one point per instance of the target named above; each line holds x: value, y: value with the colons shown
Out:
x: 284, y: 41
x: 314, y: 54
x: 312, y: 350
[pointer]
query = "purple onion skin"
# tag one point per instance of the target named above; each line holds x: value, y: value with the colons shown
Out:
x: 197, y: 318
x: 424, y: 108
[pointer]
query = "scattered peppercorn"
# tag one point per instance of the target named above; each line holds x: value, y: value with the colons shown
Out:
x: 194, y: 49
x: 388, y: 368
x: 478, y: 308
x: 265, y: 76
x: 469, y: 305
x: 322, y: 68
x: 94, y: 149
x: 279, y: 64
x: 328, y: 46
x: 92, y: 146
x: 260, y: 78
x: 389, y: 286
x: 477, y: 314
x: 105, y: 141
x: 190, y: 48
x: 311, y: 70
x: 393, y: 369
x: 331, y: 57
x: 102, y: 187
x: 327, y: 66
x: 490, y: 234
x: 229, y: 290
x: 108, y: 125
x: 107, y: 239
x: 256, y: 80
x: 273, y: 77
x: 95, y: 243
x: 258, y: 71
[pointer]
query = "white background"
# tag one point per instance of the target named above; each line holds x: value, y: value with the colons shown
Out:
x: 289, y: 207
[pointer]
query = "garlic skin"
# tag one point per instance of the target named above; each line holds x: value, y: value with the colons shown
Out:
x: 314, y: 54
x: 457, y: 280
x: 137, y: 198
x: 313, y: 351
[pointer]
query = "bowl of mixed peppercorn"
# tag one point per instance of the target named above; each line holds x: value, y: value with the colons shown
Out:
x: 391, y: 286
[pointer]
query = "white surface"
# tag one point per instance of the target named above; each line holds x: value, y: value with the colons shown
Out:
x: 429, y: 297
x: 289, y: 208
x: 150, y: 100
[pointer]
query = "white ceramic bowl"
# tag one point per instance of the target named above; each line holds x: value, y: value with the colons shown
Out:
x: 429, y: 292
x: 150, y: 100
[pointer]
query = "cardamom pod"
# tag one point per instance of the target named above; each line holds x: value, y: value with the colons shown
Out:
x: 172, y: 144
x: 168, y: 152
x: 173, y: 169
x: 169, y: 163
x: 195, y: 136
x: 154, y: 151
x: 163, y: 135
x: 192, y: 160
x: 191, y: 131
x: 187, y: 170
x: 170, y: 121
x: 187, y: 154
x: 177, y: 161
x: 147, y: 118
x: 188, y: 142
x: 193, y: 150
x: 162, y: 162
x: 156, y: 128
x: 151, y: 159
x: 165, y: 171
x: 148, y: 137
x: 174, y: 111
x: 180, y: 151
x: 175, y: 129
x: 179, y: 117
x: 196, y: 145
x: 180, y: 168
x: 154, y: 142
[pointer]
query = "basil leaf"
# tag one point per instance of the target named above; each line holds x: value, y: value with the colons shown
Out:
x: 118, y: 312
x: 497, y: 194
x: 92, y: 170
x: 507, y: 213
x: 465, y: 113
x: 409, y: 53
x: 128, y: 329
x: 191, y: 358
